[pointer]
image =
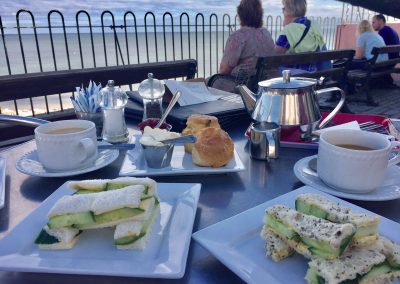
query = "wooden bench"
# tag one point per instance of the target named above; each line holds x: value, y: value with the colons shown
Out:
x: 31, y: 85
x: 374, y: 70
x: 266, y: 68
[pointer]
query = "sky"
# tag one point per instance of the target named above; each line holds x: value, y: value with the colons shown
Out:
x: 40, y: 8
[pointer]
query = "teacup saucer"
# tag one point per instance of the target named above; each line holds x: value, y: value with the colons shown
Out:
x: 389, y: 190
x: 30, y: 165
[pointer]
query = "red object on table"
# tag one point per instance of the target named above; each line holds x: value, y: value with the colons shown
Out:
x: 292, y: 134
x: 152, y: 122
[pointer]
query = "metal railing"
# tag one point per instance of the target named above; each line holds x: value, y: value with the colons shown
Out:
x: 37, y: 46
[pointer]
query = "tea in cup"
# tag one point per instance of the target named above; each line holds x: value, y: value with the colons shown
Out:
x: 66, y: 145
x: 354, y: 161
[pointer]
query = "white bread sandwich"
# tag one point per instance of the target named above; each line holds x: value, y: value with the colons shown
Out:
x: 135, y: 234
x: 359, y: 265
x: 309, y: 235
x: 102, y: 209
x: 275, y: 246
x: 320, y: 206
x: 57, y: 239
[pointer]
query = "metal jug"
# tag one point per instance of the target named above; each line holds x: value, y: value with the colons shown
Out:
x: 289, y: 102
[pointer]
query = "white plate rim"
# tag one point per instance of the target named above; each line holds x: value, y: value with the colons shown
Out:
x: 113, y: 155
x: 186, y: 196
x: 220, y: 242
x: 3, y: 165
x: 302, y: 164
x: 125, y: 171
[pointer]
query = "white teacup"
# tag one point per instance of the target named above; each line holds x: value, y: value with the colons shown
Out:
x: 354, y: 161
x: 66, y: 145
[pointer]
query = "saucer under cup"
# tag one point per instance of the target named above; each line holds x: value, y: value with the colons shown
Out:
x: 359, y: 168
x: 66, y: 145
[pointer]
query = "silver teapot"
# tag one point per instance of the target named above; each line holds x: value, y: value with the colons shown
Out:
x: 289, y: 102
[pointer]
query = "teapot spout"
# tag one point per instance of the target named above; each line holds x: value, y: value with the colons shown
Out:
x: 248, y: 97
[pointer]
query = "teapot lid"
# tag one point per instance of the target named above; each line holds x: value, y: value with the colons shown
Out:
x: 288, y: 82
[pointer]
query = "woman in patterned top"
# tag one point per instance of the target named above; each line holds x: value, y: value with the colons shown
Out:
x: 246, y: 44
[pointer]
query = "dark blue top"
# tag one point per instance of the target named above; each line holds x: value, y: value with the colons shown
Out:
x: 390, y: 37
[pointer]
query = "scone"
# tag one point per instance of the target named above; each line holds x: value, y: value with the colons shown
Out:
x: 195, y: 123
x: 214, y: 148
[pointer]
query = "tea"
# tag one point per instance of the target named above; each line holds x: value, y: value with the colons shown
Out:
x: 354, y: 147
x: 66, y: 130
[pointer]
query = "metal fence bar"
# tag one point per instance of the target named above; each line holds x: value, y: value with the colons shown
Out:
x: 216, y: 42
x: 200, y: 15
x: 136, y: 36
x: 188, y: 32
x: 154, y: 32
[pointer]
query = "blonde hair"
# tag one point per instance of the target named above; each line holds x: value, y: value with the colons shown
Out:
x: 364, y: 26
x: 295, y: 8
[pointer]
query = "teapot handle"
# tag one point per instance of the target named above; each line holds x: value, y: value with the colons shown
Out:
x: 336, y: 109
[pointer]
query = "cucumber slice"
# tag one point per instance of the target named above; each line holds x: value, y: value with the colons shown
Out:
x: 111, y: 185
x: 118, y: 214
x: 310, y: 209
x: 145, y: 228
x: 45, y: 239
x: 366, y: 231
x: 129, y: 240
x: 313, y: 277
x: 70, y: 220
x: 279, y: 227
x: 376, y: 271
x: 84, y: 191
x: 323, y: 249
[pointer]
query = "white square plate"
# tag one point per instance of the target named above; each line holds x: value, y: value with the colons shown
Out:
x: 236, y: 242
x: 181, y: 164
x: 95, y: 254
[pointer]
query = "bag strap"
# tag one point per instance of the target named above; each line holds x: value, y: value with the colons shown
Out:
x: 303, y: 35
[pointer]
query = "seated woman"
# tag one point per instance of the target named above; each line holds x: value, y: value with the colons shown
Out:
x: 245, y: 45
x: 300, y: 34
x: 366, y: 41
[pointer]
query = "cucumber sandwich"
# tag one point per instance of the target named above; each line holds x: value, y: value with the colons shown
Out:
x: 135, y: 234
x: 308, y: 235
x: 322, y: 207
x: 73, y: 213
x: 96, y: 185
x: 62, y: 238
x: 275, y: 246
x: 359, y: 265
x: 102, y: 209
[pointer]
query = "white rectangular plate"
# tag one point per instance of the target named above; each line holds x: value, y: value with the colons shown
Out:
x: 2, y: 181
x: 181, y: 164
x: 241, y: 248
x: 95, y: 254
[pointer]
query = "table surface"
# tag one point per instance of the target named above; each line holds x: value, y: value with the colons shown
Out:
x: 222, y: 196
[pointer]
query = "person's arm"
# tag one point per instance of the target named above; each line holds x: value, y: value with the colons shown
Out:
x: 282, y: 44
x: 225, y: 68
x: 280, y: 49
x: 233, y: 50
x: 359, y: 52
